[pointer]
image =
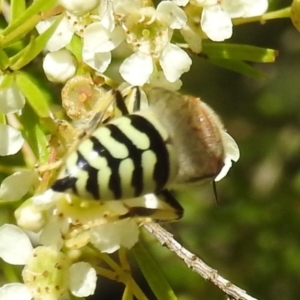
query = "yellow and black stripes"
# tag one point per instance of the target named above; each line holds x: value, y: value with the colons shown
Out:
x: 128, y: 157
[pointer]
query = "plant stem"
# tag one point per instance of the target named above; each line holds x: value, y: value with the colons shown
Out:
x: 278, y: 14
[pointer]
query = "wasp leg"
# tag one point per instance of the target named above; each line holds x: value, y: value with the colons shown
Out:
x: 49, y: 167
x: 100, y: 115
x: 120, y: 103
x: 133, y: 98
x: 127, y: 101
x: 171, y: 209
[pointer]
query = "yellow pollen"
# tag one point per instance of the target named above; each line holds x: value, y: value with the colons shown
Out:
x: 146, y: 33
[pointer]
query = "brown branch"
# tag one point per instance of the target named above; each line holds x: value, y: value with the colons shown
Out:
x: 196, y: 264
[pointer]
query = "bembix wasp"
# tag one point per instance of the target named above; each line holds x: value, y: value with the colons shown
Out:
x: 171, y: 142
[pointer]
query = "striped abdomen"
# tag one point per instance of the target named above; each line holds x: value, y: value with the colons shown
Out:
x: 128, y: 157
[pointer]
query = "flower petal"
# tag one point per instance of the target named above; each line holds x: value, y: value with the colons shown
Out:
x: 97, y: 61
x: 158, y: 79
x: 11, y: 140
x: 245, y: 8
x: 82, y: 279
x: 257, y: 8
x: 231, y: 153
x: 111, y: 236
x: 15, y: 186
x: 98, y: 39
x: 62, y: 35
x: 15, y: 246
x: 137, y: 68
x: 181, y: 2
x: 216, y: 23
x: 174, y: 61
x: 125, y: 7
x: 192, y: 38
x: 106, y: 14
x: 52, y: 232
x: 79, y: 7
x: 59, y: 66
x: 235, y: 9
x: 15, y: 291
x: 30, y: 217
x: 11, y: 100
x: 170, y: 13
x: 46, y: 199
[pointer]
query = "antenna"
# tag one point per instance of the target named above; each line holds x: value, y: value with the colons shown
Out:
x: 215, y: 192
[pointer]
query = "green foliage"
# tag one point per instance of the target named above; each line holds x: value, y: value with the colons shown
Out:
x: 152, y: 273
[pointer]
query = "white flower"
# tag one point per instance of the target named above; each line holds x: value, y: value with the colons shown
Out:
x: 11, y: 140
x: 79, y: 7
x: 216, y: 15
x: 137, y: 68
x: 59, y: 66
x: 15, y: 246
x: 82, y: 279
x: 15, y: 186
x: 30, y: 217
x: 100, y: 224
x: 98, y: 42
x: 106, y: 14
x: 51, y: 234
x: 192, y: 38
x: 245, y: 8
x: 171, y: 14
x: 216, y: 23
x: 48, y: 273
x: 125, y: 7
x: 100, y: 38
x: 110, y: 237
x: 158, y: 79
x: 11, y: 99
x: 169, y: 56
x: 149, y: 32
x: 181, y: 2
x: 231, y: 153
x: 62, y: 35
x: 15, y: 291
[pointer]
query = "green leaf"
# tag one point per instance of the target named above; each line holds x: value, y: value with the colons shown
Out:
x: 15, y: 47
x: 35, y: 9
x: 25, y: 22
x: 153, y: 274
x: 75, y: 46
x: 238, y: 52
x: 7, y: 81
x: 35, y: 47
x: 17, y: 8
x: 238, y: 66
x: 4, y: 61
x: 35, y: 96
x: 34, y: 134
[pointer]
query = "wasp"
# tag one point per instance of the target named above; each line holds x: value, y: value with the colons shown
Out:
x: 170, y: 142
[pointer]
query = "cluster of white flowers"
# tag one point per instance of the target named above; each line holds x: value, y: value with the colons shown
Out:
x: 54, y: 225
x: 11, y: 101
x: 140, y: 36
x: 217, y: 15
x: 48, y: 272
